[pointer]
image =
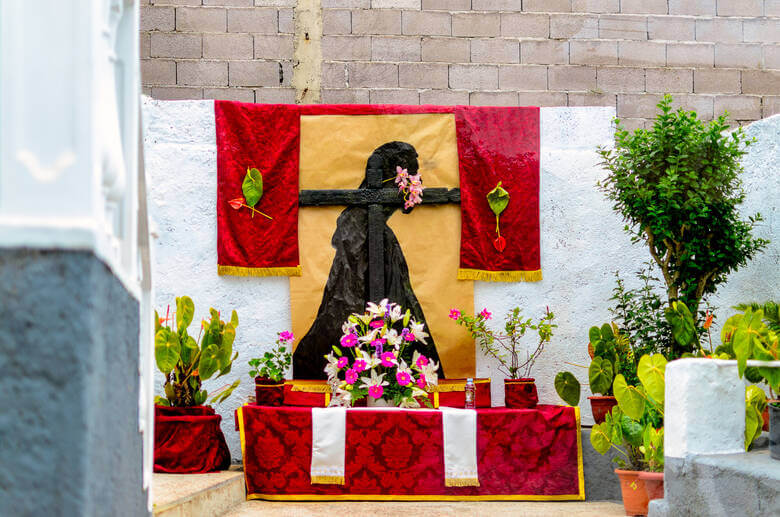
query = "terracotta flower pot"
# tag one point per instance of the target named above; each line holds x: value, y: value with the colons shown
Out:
x: 600, y: 406
x: 633, y: 490
x: 520, y: 393
x: 765, y: 414
x: 268, y: 392
x: 654, y: 484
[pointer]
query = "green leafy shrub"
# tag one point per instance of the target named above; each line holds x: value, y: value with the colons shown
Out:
x: 677, y: 187
x: 187, y: 362
x: 274, y: 363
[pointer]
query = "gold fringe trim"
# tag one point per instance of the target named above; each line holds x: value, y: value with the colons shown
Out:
x: 446, y: 386
x: 310, y: 386
x: 258, y: 271
x: 327, y: 480
x: 461, y: 482
x: 499, y: 276
x: 268, y: 385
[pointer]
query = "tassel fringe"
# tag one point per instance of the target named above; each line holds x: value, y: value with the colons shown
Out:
x: 259, y: 271
x: 449, y: 387
x: 461, y: 482
x: 499, y: 276
x: 305, y: 387
x: 327, y: 480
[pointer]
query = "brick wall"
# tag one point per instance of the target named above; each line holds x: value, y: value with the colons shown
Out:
x: 712, y: 55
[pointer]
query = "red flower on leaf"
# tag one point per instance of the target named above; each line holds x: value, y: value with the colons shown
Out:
x: 236, y: 203
x: 499, y: 243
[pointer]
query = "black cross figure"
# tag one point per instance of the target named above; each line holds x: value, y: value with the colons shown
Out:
x: 374, y: 197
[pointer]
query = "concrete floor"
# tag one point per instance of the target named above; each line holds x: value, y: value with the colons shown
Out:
x: 427, y: 509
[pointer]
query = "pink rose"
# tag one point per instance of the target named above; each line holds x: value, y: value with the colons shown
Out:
x: 351, y: 376
x: 349, y: 340
x: 485, y: 314
x: 376, y: 391
x: 454, y: 314
x: 343, y: 361
x: 422, y: 361
x: 403, y: 378
x: 359, y: 365
x: 388, y: 359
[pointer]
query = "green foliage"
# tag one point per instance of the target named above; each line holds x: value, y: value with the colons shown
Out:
x: 274, y: 364
x: 187, y: 362
x: 683, y: 326
x: 252, y: 187
x: 677, y: 187
x: 499, y: 345
x: 568, y: 388
x: 600, y: 375
x: 747, y: 336
x: 635, y: 426
x: 755, y: 403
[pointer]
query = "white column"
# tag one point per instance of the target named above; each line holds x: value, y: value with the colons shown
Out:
x: 704, y: 411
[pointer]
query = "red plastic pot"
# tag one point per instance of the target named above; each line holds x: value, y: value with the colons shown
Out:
x: 634, y: 493
x: 268, y: 392
x: 520, y: 393
x: 600, y: 406
x: 654, y: 484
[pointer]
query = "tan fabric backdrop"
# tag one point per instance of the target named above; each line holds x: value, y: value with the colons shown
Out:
x: 333, y: 154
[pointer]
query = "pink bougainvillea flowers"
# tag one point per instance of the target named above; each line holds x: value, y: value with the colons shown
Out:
x: 349, y: 340
x: 403, y: 378
x: 454, y: 314
x: 376, y: 391
x: 485, y: 314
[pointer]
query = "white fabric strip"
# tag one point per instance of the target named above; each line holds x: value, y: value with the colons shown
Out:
x: 328, y: 441
x: 459, y: 428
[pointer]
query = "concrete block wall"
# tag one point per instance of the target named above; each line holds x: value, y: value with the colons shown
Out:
x: 713, y: 55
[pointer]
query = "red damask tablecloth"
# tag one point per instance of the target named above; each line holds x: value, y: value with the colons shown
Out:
x: 522, y: 454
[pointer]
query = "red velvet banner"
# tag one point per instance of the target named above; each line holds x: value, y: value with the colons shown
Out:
x: 494, y: 144
x: 522, y: 454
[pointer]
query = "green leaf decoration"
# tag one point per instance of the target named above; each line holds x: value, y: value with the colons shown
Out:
x: 600, y: 438
x: 568, y: 388
x: 166, y: 350
x: 651, y: 371
x: 252, y: 187
x: 600, y: 375
x: 185, y: 310
x: 209, y: 362
x: 498, y: 199
x: 631, y: 402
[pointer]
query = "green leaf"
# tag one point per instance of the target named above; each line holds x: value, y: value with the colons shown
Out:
x: 681, y: 321
x: 568, y: 388
x: 157, y: 325
x: 632, y: 431
x: 651, y: 371
x: 185, y: 310
x: 628, y: 397
x: 234, y: 319
x: 166, y: 350
x: 252, y: 187
x: 594, y: 335
x: 200, y: 397
x: 222, y: 395
x: 754, y: 420
x: 209, y: 362
x: 161, y: 401
x: 226, y: 350
x: 498, y: 199
x: 600, y: 375
x: 600, y: 438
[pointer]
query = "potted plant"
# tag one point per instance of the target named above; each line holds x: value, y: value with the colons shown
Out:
x: 677, y: 186
x: 635, y: 429
x: 378, y: 358
x: 188, y: 437
x: 519, y: 387
x: 268, y: 371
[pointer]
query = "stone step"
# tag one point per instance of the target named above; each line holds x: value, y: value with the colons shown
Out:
x: 198, y: 495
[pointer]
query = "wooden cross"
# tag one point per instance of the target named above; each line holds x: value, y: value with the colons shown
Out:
x: 374, y: 197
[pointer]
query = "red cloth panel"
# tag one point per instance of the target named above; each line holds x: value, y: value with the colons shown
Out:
x: 493, y: 144
x: 521, y: 452
x: 189, y: 440
x: 499, y: 144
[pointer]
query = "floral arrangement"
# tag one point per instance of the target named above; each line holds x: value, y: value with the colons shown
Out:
x: 410, y: 186
x: 496, y: 345
x: 275, y: 363
x: 372, y: 359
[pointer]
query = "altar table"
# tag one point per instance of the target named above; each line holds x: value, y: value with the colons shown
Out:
x: 522, y: 454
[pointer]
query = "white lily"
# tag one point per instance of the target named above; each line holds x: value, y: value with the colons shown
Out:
x: 370, y: 336
x: 341, y: 398
x: 409, y: 402
x: 395, y: 312
x: 348, y: 328
x: 393, y: 338
x: 374, y: 380
x: 332, y: 368
x: 377, y: 310
x: 418, y: 329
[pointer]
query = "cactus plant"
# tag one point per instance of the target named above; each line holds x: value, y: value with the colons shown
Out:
x: 187, y: 362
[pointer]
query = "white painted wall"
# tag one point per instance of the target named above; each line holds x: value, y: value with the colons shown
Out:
x: 582, y: 241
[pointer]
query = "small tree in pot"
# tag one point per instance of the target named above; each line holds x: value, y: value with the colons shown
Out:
x: 269, y: 371
x: 677, y: 186
x: 188, y: 437
x: 519, y: 387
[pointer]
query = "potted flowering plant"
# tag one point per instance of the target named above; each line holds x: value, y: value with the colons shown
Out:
x: 375, y: 359
x: 187, y: 434
x: 268, y: 371
x: 519, y: 386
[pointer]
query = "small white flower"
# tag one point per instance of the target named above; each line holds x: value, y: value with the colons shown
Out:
x: 393, y: 338
x: 332, y: 368
x: 395, y: 313
x: 418, y: 331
